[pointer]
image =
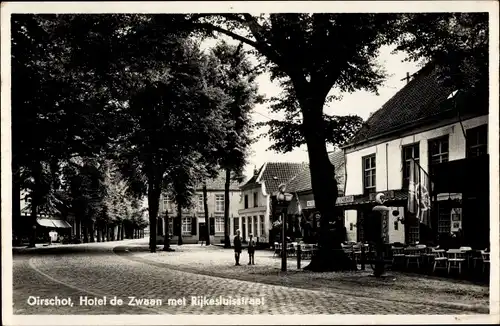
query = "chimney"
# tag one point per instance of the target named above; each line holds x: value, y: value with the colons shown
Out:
x: 255, y: 171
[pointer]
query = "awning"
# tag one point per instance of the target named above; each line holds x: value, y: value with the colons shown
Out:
x: 53, y: 223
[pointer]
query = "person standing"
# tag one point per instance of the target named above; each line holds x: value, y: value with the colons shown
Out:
x: 237, y: 248
x: 251, y: 250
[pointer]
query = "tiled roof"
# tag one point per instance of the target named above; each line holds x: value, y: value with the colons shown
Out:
x: 219, y: 183
x: 302, y: 181
x: 423, y: 98
x: 276, y: 173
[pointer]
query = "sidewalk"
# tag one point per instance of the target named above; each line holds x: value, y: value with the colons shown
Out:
x: 57, y: 245
x: 215, y: 261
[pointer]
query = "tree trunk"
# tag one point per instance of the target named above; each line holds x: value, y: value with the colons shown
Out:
x: 330, y: 256
x: 153, y: 207
x: 78, y: 222
x: 179, y: 214
x: 37, y: 170
x: 99, y: 232
x: 227, y: 241
x: 205, y: 209
x: 92, y: 232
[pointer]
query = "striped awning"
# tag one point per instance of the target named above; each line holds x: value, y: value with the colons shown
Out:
x: 53, y: 223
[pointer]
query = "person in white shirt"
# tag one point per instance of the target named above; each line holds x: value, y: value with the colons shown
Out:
x: 52, y: 236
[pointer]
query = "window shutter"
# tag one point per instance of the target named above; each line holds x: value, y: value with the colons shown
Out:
x: 193, y: 225
x: 212, y: 226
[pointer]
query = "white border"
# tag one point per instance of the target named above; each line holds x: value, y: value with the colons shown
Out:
x: 251, y: 7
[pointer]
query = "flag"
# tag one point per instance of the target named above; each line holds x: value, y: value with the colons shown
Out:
x: 419, y: 200
x: 299, y: 208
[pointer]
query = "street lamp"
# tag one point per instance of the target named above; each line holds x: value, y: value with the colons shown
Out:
x: 283, y: 200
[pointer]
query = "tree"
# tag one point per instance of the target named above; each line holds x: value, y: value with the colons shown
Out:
x: 237, y: 80
x: 298, y: 48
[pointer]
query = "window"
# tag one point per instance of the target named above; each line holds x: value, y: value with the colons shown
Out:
x: 236, y: 224
x: 186, y: 225
x: 255, y: 199
x: 200, y: 203
x: 219, y: 203
x: 438, y: 150
x: 246, y: 201
x: 444, y: 219
x: 261, y: 224
x: 255, y: 230
x: 219, y: 224
x: 413, y: 233
x: 167, y: 204
x: 477, y: 141
x: 249, y: 224
x: 369, y: 173
x: 409, y: 152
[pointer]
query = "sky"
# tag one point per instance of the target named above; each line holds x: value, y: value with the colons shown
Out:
x: 360, y: 103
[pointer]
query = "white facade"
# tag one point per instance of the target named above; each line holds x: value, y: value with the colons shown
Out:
x: 389, y: 162
x: 254, y: 215
x: 389, y: 165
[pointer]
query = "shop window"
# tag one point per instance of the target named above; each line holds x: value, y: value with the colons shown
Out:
x: 477, y: 141
x: 369, y: 170
x: 444, y: 220
x: 409, y: 152
x: 413, y: 233
x: 438, y: 150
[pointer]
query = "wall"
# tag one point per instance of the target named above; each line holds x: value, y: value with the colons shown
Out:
x: 389, y: 174
x: 262, y: 209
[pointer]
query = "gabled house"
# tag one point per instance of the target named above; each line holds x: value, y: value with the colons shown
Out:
x: 194, y: 225
x: 255, y: 213
x: 445, y: 133
x: 302, y: 207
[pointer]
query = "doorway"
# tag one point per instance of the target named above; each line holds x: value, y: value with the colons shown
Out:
x: 203, y: 231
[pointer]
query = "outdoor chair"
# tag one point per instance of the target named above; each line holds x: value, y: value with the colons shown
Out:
x: 456, y: 258
x: 412, y: 256
x: 486, y: 258
x: 440, y: 259
x: 306, y: 251
x: 356, y: 252
x: 398, y: 255
x: 290, y: 249
x: 277, y: 249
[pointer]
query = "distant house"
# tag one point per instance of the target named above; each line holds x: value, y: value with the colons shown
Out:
x: 255, y: 212
x: 447, y: 137
x: 194, y: 225
x: 303, y: 205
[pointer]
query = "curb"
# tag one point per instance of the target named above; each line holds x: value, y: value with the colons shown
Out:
x: 457, y: 306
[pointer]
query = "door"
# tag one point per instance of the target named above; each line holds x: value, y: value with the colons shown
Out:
x: 203, y: 231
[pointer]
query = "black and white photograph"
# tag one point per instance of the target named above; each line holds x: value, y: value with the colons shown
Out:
x: 250, y: 162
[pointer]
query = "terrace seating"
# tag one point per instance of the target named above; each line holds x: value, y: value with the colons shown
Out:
x: 398, y: 255
x: 307, y: 250
x: 456, y: 258
x: 413, y: 255
x: 486, y: 258
x: 440, y: 259
x: 277, y: 249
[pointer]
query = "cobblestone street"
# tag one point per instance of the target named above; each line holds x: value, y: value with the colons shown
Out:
x: 94, y: 270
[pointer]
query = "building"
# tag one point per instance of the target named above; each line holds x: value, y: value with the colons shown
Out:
x: 194, y: 225
x: 447, y: 136
x: 255, y: 214
x: 302, y: 206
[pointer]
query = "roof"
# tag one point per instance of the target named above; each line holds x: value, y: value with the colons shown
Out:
x: 272, y: 174
x: 421, y: 99
x: 302, y: 181
x: 219, y: 183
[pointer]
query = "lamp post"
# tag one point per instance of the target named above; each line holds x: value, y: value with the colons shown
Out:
x: 283, y: 200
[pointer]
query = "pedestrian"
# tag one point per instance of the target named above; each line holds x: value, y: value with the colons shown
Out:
x: 251, y: 250
x: 237, y: 247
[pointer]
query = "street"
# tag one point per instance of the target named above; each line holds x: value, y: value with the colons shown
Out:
x: 96, y: 276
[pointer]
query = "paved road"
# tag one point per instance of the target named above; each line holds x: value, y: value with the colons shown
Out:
x: 95, y: 271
